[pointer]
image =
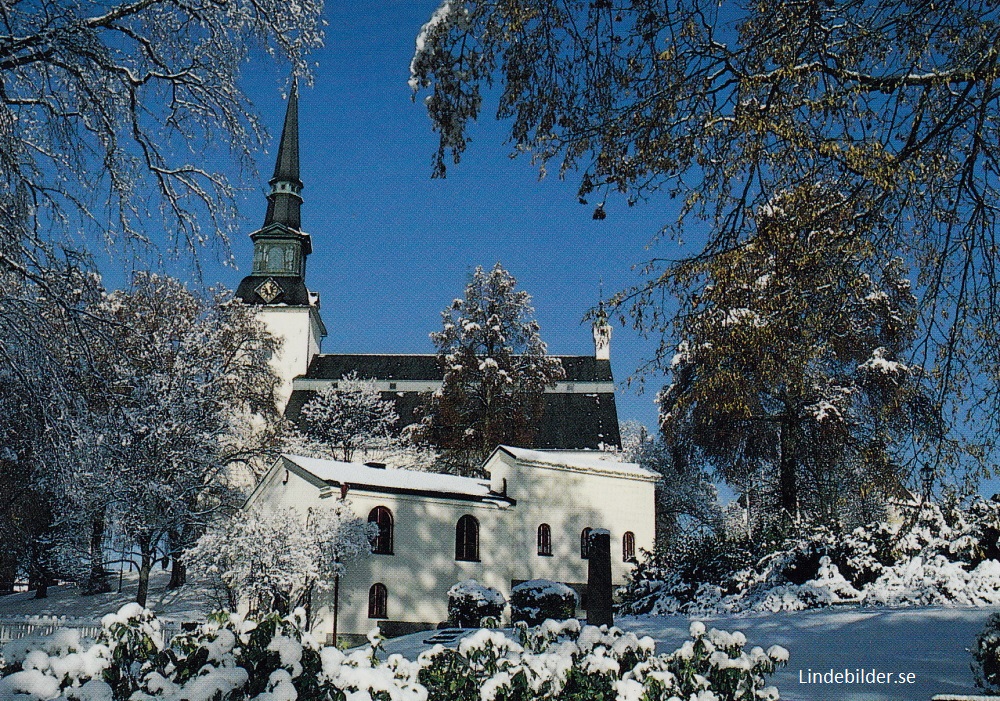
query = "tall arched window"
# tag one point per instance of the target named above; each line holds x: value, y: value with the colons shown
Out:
x: 585, y: 543
x: 378, y: 597
x: 382, y: 517
x: 544, y: 539
x: 467, y: 539
x: 628, y: 547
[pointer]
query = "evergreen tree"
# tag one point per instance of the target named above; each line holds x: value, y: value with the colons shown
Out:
x: 495, y: 372
x: 787, y: 377
x: 350, y: 416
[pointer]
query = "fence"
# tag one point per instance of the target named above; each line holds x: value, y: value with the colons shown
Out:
x: 41, y: 626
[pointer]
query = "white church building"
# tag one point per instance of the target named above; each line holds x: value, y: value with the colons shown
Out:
x: 529, y: 520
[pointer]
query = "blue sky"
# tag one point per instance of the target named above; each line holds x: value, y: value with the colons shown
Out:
x: 392, y: 247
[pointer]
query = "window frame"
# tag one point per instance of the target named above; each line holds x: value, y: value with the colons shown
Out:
x: 585, y: 543
x: 544, y: 540
x: 378, y: 601
x: 628, y: 547
x: 375, y: 512
x: 463, y: 542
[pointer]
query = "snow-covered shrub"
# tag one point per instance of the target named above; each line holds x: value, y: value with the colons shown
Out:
x: 537, y: 600
x: 986, y: 656
x: 570, y: 662
x: 469, y: 602
x: 65, y: 666
x: 934, y: 555
x: 133, y: 636
x: 274, y: 659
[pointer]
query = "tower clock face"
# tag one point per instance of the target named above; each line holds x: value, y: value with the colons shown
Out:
x: 269, y: 291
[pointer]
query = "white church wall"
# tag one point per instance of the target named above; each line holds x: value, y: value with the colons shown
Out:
x: 301, y: 334
x: 422, y: 568
x: 568, y: 501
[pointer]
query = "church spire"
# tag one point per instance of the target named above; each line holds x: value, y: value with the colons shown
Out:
x: 280, y: 247
x: 284, y: 202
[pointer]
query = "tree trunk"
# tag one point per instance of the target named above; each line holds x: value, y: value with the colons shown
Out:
x: 8, y: 573
x: 97, y: 580
x: 42, y: 589
x: 178, y: 570
x: 336, y: 606
x: 178, y: 574
x: 787, y: 477
x: 147, y: 554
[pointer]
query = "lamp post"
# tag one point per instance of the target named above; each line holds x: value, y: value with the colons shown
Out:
x: 927, y: 480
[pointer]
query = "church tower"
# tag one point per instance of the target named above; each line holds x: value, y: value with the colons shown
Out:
x: 277, y: 282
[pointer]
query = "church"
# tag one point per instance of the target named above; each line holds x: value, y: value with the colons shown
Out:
x: 529, y: 519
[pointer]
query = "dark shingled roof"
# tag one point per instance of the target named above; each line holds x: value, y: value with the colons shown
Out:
x: 579, y: 368
x: 377, y: 367
x: 571, y: 420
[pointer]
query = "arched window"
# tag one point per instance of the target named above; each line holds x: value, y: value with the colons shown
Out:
x: 382, y: 517
x: 585, y: 543
x: 467, y: 539
x: 378, y: 597
x: 628, y: 547
x: 544, y: 539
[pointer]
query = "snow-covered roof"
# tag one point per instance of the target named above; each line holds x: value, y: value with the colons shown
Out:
x: 360, y: 476
x: 584, y: 460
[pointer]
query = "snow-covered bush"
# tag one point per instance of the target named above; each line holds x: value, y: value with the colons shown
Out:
x: 935, y: 555
x: 230, y: 658
x: 65, y: 666
x: 571, y: 662
x: 986, y: 656
x: 537, y: 600
x: 469, y: 602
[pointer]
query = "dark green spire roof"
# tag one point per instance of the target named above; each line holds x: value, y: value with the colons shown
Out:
x: 285, y: 201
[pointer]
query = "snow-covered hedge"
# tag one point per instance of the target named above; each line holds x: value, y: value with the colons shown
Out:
x: 942, y: 557
x: 470, y: 602
x: 537, y: 600
x: 564, y: 661
x: 229, y: 658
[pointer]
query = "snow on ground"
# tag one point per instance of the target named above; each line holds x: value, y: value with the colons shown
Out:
x: 190, y: 602
x: 931, y: 643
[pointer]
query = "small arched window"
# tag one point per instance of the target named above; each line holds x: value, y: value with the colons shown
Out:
x: 378, y: 597
x: 585, y: 543
x: 467, y: 539
x: 544, y: 539
x: 628, y: 547
x: 381, y: 517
